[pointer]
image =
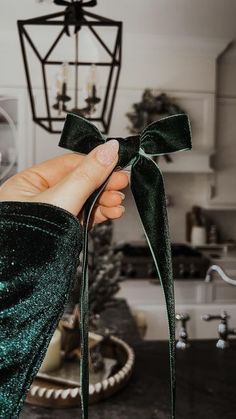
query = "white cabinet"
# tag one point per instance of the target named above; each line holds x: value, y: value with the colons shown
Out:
x: 223, y: 195
x: 201, y: 110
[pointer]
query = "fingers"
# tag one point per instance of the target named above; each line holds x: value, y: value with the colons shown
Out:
x: 50, y: 172
x: 112, y: 213
x: 72, y: 192
x: 118, y: 180
x: 111, y: 198
x: 101, y: 214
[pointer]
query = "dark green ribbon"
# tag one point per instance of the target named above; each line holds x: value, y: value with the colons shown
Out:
x: 165, y: 136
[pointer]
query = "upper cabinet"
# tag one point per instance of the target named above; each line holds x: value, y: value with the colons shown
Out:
x: 222, y: 193
x: 201, y: 110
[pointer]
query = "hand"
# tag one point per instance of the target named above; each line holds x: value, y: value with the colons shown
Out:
x: 67, y: 181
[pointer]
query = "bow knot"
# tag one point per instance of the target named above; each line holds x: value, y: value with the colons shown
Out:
x: 167, y: 135
x: 129, y: 149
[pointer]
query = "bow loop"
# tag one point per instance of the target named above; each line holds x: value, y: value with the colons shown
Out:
x: 168, y: 135
x: 80, y: 135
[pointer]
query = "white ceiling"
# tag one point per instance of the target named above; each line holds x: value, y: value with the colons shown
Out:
x: 200, y: 18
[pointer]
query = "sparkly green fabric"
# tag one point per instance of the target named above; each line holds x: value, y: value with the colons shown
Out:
x: 170, y: 134
x: 39, y: 253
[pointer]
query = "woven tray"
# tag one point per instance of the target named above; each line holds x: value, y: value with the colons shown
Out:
x: 55, y: 392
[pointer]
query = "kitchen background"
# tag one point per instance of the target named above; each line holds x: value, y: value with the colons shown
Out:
x: 181, y: 48
x: 186, y: 49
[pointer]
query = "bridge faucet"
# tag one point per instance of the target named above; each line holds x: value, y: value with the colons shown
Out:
x: 221, y: 273
x: 182, y: 342
x: 223, y: 329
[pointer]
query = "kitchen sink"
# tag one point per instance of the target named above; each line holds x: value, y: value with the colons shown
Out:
x: 193, y: 297
x: 197, y: 328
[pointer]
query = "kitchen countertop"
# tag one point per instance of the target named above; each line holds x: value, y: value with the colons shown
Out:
x: 206, y: 384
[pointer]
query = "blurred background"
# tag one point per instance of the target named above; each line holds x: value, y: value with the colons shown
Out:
x: 177, y: 56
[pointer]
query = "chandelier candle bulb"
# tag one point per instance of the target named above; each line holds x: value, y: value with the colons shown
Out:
x: 58, y: 86
x: 89, y: 88
x: 92, y: 87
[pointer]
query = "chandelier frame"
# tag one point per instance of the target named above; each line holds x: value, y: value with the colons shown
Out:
x: 91, y: 21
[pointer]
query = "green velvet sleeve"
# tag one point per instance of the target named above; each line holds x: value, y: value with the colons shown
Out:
x: 39, y: 254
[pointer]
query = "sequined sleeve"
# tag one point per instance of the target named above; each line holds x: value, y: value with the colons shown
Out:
x: 39, y: 254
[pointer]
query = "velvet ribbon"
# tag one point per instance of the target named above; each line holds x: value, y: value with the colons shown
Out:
x: 170, y: 134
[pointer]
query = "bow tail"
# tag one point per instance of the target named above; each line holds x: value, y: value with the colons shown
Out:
x: 84, y: 305
x: 148, y: 190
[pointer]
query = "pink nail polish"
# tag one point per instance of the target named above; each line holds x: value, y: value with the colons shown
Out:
x: 107, y: 153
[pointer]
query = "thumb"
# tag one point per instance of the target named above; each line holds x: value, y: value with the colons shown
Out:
x: 72, y: 192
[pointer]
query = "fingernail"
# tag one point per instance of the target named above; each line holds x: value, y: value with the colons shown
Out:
x: 121, y: 194
x: 107, y: 153
x: 122, y: 207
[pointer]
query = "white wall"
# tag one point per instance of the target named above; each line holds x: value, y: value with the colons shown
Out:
x: 166, y: 42
x: 198, y: 18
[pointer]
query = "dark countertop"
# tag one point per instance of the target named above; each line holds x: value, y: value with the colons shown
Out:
x: 206, y: 385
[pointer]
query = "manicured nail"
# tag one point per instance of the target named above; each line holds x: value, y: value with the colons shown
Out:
x: 107, y: 153
x: 122, y: 207
x: 121, y: 194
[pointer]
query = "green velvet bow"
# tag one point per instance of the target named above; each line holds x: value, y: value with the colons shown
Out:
x: 165, y: 136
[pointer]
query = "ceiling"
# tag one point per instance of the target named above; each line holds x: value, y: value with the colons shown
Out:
x: 200, y: 18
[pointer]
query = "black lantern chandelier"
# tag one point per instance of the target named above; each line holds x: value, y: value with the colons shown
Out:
x: 80, y: 70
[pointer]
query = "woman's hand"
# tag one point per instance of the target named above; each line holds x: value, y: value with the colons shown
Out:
x: 67, y: 181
